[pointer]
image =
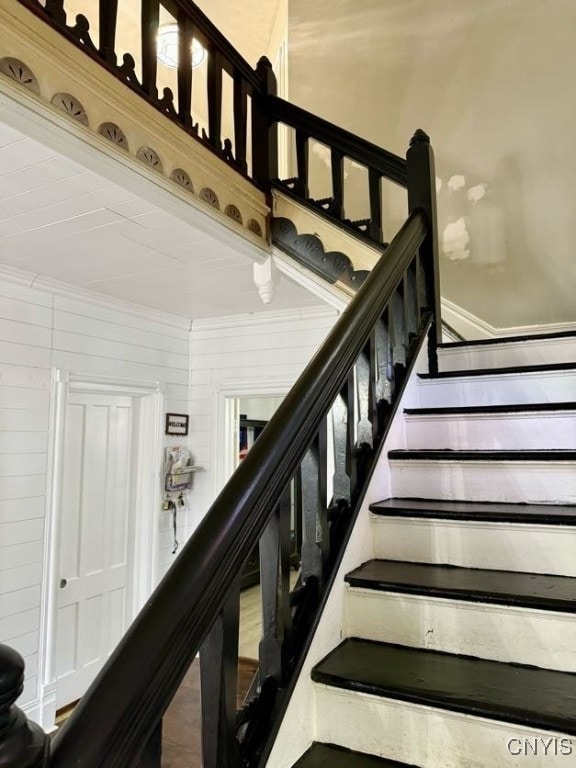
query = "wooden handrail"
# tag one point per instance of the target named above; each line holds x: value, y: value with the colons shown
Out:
x: 127, y: 700
x: 364, y: 152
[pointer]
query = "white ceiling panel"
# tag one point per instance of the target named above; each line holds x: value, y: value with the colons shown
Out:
x: 62, y: 221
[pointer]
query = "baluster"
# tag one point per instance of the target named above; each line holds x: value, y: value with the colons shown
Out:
x: 150, y: 12
x: 397, y: 338
x: 55, y: 9
x: 240, y: 120
x: 337, y: 163
x: 420, y: 288
x: 315, y: 547
x: 185, y: 38
x: 107, y: 36
x: 351, y: 407
x: 215, y: 99
x: 301, y: 186
x: 375, y: 226
x: 274, y: 648
x: 343, y: 438
x: 264, y: 130
x: 23, y: 744
x: 152, y: 755
x: 366, y: 396
x: 422, y: 195
x: 219, y: 684
x: 383, y: 375
x: 410, y: 303
x: 297, y: 512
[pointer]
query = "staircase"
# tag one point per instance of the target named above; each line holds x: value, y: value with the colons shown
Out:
x: 460, y: 635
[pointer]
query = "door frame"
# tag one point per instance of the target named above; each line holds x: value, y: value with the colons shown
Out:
x: 146, y: 501
x: 224, y: 453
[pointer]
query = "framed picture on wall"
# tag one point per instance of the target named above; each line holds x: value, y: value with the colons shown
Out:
x: 177, y: 424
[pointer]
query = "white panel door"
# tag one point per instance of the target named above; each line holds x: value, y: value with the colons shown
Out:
x: 96, y: 535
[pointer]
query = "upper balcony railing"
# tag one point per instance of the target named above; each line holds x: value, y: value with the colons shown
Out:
x: 174, y: 57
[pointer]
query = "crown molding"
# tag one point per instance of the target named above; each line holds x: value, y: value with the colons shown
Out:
x: 60, y: 288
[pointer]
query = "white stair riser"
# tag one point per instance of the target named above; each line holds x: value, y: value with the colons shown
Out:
x: 505, y: 389
x: 533, y: 352
x: 532, y: 482
x: 421, y: 735
x: 499, y: 431
x: 503, y: 633
x: 500, y: 546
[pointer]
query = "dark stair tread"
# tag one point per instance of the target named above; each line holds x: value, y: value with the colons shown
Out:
x: 548, y: 514
x: 507, y: 340
x: 547, y: 368
x: 330, y: 756
x: 529, y: 590
x: 445, y: 454
x: 471, y: 409
x: 513, y: 693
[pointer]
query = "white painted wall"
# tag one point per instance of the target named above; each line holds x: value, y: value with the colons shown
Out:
x: 247, y: 355
x: 42, y: 328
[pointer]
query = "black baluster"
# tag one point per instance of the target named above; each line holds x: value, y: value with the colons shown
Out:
x: 301, y: 185
x: 352, y: 409
x: 55, y: 9
x: 410, y: 302
x: 297, y: 516
x: 107, y: 35
x: 422, y: 195
x: 274, y: 648
x: 397, y: 338
x: 337, y: 163
x: 152, y: 755
x: 240, y: 120
x: 341, y: 427
x: 23, y: 744
x: 315, y: 547
x: 375, y: 226
x: 150, y: 17
x: 219, y: 684
x: 365, y: 396
x: 383, y: 374
x: 185, y: 39
x: 264, y: 129
x: 215, y: 99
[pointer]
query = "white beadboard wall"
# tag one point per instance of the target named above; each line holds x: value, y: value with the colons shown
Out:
x: 240, y: 351
x: 42, y: 329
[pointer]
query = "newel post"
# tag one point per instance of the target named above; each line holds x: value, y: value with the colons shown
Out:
x: 264, y: 128
x: 422, y: 195
x: 23, y: 744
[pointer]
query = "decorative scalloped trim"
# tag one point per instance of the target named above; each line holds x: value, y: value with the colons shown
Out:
x: 332, y: 266
x: 150, y: 157
x: 181, y: 177
x: 115, y: 134
x: 210, y: 197
x: 66, y: 102
x: 71, y: 106
x: 253, y: 226
x: 233, y: 212
x: 21, y: 73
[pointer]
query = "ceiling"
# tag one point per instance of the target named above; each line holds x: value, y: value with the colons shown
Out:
x: 60, y: 220
x: 63, y: 221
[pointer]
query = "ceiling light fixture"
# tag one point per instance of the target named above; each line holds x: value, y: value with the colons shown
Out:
x: 167, y: 47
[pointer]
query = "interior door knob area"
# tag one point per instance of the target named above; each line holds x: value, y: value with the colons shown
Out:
x: 63, y: 583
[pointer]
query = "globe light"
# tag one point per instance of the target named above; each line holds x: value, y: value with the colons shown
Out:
x: 167, y: 47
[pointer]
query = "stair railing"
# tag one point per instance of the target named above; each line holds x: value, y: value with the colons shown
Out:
x: 98, y: 33
x: 313, y: 461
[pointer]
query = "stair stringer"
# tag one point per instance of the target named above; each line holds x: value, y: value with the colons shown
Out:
x: 298, y: 728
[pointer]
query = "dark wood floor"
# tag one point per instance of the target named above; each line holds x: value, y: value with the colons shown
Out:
x: 181, y: 728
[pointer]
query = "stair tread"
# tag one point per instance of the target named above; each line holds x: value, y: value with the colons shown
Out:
x: 507, y: 340
x: 330, y: 756
x: 512, y: 693
x: 470, y: 409
x: 529, y: 590
x: 447, y: 454
x: 548, y: 514
x: 516, y: 369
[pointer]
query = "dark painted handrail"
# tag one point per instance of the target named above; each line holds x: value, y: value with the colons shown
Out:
x: 370, y: 155
x: 128, y: 698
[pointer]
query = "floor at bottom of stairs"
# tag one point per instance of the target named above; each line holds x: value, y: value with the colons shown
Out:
x: 330, y: 756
